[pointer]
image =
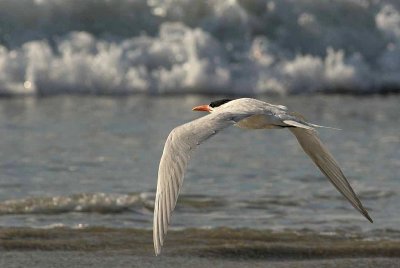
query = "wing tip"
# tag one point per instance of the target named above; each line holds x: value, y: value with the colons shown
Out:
x: 364, y: 212
x: 157, y: 245
x: 366, y: 215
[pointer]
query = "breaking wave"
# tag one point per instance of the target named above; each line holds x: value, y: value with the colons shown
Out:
x: 181, y: 46
x: 85, y: 202
x: 104, y: 203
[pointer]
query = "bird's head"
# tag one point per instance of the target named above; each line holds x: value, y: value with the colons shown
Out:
x: 212, y: 106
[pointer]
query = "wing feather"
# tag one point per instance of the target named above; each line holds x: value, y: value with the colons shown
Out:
x: 178, y: 147
x: 324, y: 160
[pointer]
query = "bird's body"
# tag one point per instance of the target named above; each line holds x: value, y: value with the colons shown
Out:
x: 244, y: 113
x: 257, y: 122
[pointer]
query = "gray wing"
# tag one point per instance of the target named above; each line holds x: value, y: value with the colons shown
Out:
x: 314, y: 148
x: 178, y: 147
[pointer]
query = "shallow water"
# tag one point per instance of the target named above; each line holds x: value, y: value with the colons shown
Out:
x: 84, y: 161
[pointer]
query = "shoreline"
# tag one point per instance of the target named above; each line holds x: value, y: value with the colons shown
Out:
x: 104, y: 247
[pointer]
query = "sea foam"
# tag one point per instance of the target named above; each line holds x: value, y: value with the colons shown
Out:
x: 183, y: 46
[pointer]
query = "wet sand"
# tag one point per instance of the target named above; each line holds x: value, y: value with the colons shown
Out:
x: 102, y: 247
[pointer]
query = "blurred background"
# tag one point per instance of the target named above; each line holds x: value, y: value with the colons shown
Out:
x: 181, y: 46
x: 91, y: 89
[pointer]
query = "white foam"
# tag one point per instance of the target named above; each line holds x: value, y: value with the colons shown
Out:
x: 182, y: 46
x: 84, y: 202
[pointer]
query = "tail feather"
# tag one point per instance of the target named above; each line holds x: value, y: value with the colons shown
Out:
x: 294, y: 123
x: 298, y: 120
x: 318, y: 126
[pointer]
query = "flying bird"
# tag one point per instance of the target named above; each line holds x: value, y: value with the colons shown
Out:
x: 245, y: 113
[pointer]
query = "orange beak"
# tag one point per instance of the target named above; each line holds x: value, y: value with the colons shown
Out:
x: 202, y: 108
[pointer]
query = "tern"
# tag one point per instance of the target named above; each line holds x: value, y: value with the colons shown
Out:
x: 245, y: 113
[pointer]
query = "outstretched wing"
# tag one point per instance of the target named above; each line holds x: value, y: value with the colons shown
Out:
x: 324, y: 160
x: 178, y: 147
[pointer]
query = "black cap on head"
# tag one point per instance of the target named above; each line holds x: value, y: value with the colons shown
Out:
x: 219, y: 102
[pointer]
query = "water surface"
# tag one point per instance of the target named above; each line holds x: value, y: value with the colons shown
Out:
x: 83, y: 161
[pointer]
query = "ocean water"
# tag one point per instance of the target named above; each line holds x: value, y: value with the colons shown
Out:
x: 180, y: 46
x: 79, y: 161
